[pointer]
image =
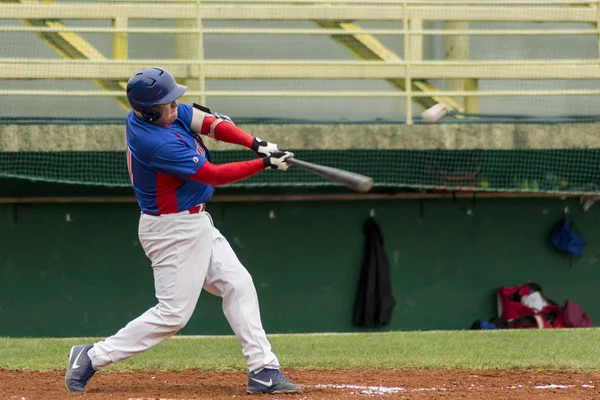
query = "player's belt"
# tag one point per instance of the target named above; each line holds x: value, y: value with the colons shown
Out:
x: 197, y: 209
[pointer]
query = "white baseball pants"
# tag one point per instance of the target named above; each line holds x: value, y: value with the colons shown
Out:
x: 188, y: 253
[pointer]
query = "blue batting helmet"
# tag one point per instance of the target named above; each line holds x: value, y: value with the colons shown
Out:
x: 149, y: 87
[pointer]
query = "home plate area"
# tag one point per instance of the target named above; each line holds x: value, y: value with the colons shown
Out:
x: 318, y: 384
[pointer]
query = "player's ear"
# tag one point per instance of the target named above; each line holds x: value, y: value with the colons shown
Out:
x: 152, y: 114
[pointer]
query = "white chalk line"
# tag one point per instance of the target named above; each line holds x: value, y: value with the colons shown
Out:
x: 383, y: 390
x: 386, y: 390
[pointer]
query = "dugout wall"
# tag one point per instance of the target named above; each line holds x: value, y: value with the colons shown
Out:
x: 77, y: 269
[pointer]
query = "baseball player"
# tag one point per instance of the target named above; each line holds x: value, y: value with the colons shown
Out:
x: 173, y: 178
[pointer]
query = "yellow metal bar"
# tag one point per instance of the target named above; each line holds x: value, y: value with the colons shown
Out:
x: 366, y: 47
x: 327, y: 12
x: 415, y: 27
x: 407, y: 79
x: 190, y: 47
x: 471, y: 102
x: 335, y: 18
x: 69, y: 45
x: 200, y: 41
x: 286, y: 69
x: 358, y: 94
x: 597, y: 26
x: 120, y: 51
x: 120, y: 47
x: 561, y: 62
x: 101, y: 30
x: 489, y: 3
x: 458, y: 48
x: 573, y: 3
x: 329, y: 32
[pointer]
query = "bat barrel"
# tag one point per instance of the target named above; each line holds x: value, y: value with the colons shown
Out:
x: 354, y: 181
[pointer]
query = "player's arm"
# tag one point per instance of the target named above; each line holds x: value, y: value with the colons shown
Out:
x: 222, y: 128
x: 222, y: 174
x: 174, y: 158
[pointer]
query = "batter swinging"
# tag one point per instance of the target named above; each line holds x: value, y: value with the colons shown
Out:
x: 173, y: 178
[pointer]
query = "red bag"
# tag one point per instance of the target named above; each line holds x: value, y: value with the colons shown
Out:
x: 509, y: 304
x: 519, y: 315
x: 575, y: 316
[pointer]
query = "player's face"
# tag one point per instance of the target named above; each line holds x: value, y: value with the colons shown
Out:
x: 169, y: 113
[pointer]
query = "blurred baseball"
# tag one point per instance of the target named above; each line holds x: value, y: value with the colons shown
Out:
x: 434, y: 114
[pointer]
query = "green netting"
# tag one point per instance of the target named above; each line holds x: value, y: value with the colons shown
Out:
x: 552, y: 158
x: 564, y: 170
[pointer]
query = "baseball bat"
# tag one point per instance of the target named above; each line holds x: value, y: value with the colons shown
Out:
x: 357, y: 182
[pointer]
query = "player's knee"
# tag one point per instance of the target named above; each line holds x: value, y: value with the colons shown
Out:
x: 175, y: 318
x: 246, y: 279
x: 178, y: 321
x: 243, y: 284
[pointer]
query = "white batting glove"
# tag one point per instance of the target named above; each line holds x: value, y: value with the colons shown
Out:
x: 263, y: 148
x: 277, y: 160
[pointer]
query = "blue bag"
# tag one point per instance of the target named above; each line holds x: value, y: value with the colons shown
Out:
x: 564, y: 239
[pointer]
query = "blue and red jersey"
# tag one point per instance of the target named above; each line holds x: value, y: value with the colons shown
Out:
x: 161, y: 160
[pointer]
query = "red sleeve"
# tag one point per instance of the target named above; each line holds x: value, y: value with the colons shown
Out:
x: 222, y: 174
x: 227, y: 132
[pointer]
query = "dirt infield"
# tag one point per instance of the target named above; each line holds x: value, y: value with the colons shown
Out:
x: 345, y: 384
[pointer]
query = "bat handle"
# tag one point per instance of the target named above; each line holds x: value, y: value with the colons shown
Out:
x: 293, y: 161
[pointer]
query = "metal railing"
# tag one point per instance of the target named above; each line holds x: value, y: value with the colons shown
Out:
x: 409, y: 72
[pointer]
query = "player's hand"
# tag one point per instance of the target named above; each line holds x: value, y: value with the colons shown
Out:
x: 277, y: 160
x: 224, y: 117
x: 263, y: 148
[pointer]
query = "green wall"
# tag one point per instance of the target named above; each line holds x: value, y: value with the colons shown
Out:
x: 78, y: 269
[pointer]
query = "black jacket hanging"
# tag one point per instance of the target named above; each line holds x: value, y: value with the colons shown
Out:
x: 374, y: 300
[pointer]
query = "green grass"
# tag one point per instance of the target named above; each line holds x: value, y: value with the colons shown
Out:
x: 576, y: 350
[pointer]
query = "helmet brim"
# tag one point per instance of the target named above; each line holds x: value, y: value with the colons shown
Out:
x: 173, y: 95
